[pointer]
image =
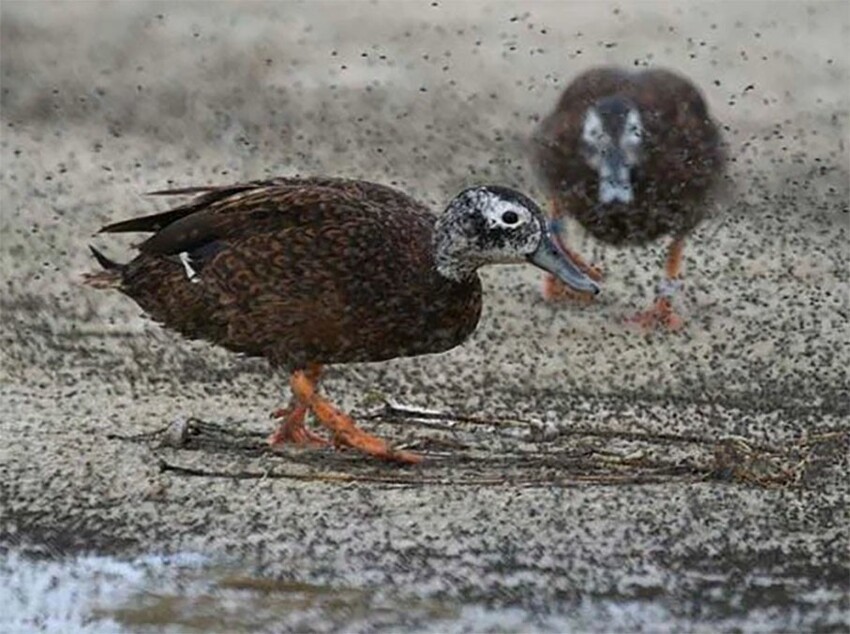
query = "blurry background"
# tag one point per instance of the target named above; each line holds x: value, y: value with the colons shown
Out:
x: 102, y: 102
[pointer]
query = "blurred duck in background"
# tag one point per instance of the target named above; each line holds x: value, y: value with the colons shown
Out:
x: 632, y: 156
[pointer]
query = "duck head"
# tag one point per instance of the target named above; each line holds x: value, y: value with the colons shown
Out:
x: 611, y: 143
x: 498, y: 225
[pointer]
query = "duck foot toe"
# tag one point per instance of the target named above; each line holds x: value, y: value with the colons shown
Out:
x: 374, y: 446
x: 660, y: 316
x: 345, y: 432
x: 292, y: 430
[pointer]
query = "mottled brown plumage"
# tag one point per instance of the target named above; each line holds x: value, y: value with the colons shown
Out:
x: 669, y: 171
x: 310, y: 271
x: 274, y: 264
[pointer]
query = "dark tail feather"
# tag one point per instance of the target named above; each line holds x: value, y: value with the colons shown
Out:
x: 151, y: 223
x: 211, y: 192
x: 104, y: 261
x: 155, y: 222
x: 111, y: 275
x: 203, y: 197
x: 185, y: 191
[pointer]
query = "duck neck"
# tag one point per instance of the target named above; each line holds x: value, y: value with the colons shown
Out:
x: 451, y: 252
x: 455, y: 269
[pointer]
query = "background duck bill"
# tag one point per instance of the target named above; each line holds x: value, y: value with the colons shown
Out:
x: 615, y: 191
x: 615, y: 182
x: 552, y: 258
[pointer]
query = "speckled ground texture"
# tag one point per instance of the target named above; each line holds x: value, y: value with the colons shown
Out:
x: 555, y: 516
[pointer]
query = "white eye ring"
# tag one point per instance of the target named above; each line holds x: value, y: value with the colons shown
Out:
x: 592, y: 130
x: 633, y: 133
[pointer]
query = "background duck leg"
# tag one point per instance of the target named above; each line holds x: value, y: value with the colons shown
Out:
x: 345, y: 432
x: 661, y: 314
x: 291, y: 429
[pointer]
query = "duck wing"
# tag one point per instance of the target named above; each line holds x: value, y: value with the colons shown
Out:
x: 232, y: 211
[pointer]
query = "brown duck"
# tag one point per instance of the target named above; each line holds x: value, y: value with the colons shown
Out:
x: 314, y: 271
x: 632, y: 156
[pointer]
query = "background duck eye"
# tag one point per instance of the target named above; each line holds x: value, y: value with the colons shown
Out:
x: 510, y: 217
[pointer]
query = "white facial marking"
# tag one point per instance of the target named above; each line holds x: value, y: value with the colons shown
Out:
x: 509, y: 233
x: 593, y: 131
x: 191, y: 274
x: 504, y: 214
x: 594, y: 137
x: 632, y: 136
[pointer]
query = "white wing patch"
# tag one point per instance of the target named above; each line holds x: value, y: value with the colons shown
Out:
x: 593, y: 132
x: 191, y: 274
x: 632, y: 130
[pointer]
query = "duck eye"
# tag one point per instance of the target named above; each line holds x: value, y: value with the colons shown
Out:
x: 510, y: 217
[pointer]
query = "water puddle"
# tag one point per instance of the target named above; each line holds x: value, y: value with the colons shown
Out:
x: 190, y: 593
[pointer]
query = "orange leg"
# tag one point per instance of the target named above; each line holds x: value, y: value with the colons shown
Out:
x: 661, y: 314
x: 291, y: 430
x: 345, y: 432
x: 553, y: 288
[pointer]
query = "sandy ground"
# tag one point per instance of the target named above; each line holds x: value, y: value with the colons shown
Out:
x: 726, y: 507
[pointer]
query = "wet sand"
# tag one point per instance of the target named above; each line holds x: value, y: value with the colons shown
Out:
x: 609, y: 480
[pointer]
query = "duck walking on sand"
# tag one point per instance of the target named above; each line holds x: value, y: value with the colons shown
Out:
x: 313, y: 271
x: 632, y: 156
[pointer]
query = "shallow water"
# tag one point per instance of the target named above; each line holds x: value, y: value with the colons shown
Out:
x: 191, y: 593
